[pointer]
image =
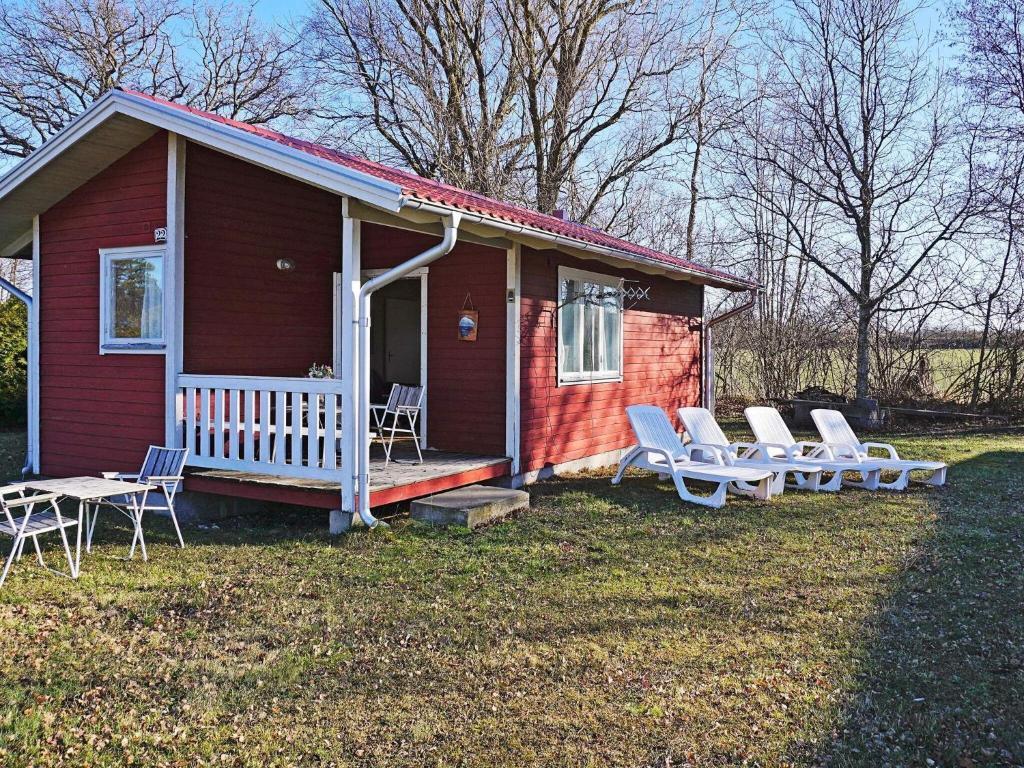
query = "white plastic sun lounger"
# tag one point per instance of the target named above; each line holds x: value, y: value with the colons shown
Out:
x: 839, y: 436
x: 659, y: 450
x: 709, y: 440
x: 774, y: 436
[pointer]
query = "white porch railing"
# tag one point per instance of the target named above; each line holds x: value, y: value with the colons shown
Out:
x: 287, y: 427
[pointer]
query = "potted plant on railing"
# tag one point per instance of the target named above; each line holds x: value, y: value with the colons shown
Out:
x: 320, y: 371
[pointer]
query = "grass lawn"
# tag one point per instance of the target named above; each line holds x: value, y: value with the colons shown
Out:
x: 610, y: 626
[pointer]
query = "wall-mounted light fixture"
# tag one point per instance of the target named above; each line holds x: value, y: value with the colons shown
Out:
x: 286, y: 265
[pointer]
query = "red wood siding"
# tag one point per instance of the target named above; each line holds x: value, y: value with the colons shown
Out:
x: 661, y: 355
x: 97, y: 412
x: 465, y: 380
x: 243, y: 316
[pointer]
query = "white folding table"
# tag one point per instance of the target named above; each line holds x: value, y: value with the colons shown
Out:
x: 92, y: 490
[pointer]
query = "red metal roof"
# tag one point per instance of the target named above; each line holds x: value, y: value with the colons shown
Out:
x: 436, y: 192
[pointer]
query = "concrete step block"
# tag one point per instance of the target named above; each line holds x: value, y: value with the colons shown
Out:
x: 472, y: 506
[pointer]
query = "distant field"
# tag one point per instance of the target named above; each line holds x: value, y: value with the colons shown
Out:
x: 945, y: 366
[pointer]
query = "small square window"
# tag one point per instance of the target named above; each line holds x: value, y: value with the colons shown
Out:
x: 132, y: 300
x: 589, y: 327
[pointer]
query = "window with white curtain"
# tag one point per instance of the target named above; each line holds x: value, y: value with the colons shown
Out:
x: 589, y: 327
x: 132, y: 299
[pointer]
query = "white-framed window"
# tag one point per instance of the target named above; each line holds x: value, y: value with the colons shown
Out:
x: 589, y: 327
x: 132, y: 299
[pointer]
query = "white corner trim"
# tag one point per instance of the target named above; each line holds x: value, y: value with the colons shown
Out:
x: 33, y: 351
x: 512, y: 356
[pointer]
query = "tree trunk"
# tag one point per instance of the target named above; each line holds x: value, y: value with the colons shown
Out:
x: 863, y: 348
x: 691, y: 217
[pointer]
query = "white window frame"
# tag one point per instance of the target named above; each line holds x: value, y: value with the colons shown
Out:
x: 114, y: 346
x: 587, y: 377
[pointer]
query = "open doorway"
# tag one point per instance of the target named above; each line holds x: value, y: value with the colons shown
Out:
x: 398, y: 338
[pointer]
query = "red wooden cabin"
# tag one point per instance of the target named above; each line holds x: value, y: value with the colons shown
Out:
x: 189, y: 270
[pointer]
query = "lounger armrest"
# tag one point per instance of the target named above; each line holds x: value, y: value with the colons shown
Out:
x: 764, y: 449
x: 891, y: 450
x: 720, y: 452
x: 845, y: 451
x: 658, y: 452
x: 165, y: 478
x: 751, y: 450
x: 817, y: 450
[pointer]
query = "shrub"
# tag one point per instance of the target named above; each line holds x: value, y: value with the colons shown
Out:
x: 13, y: 362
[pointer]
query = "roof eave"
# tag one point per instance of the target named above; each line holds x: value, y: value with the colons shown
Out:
x: 256, y: 149
x: 511, y: 227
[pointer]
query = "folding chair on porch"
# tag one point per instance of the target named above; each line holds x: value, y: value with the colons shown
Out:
x: 39, y: 514
x: 163, y: 468
x: 403, y: 404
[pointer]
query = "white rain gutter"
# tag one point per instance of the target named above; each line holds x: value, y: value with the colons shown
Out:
x: 707, y: 390
x: 25, y: 299
x: 451, y: 233
x: 542, y: 234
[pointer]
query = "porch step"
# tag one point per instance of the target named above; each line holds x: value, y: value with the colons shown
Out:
x: 472, y: 506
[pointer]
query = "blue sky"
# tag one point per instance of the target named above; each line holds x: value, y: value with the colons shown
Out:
x: 283, y: 10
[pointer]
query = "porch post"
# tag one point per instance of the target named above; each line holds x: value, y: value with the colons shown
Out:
x: 174, y: 293
x: 512, y: 339
x: 349, y: 373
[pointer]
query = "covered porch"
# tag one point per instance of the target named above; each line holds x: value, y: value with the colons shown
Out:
x: 280, y: 439
x: 268, y: 290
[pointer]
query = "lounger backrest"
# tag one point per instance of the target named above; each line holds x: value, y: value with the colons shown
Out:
x: 404, y: 396
x: 702, y: 427
x: 653, y: 430
x: 833, y: 427
x: 163, y: 462
x: 768, y: 427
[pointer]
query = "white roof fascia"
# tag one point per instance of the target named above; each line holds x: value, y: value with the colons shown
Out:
x: 258, y: 150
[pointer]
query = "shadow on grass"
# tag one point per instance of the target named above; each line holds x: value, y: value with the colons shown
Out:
x: 942, y: 681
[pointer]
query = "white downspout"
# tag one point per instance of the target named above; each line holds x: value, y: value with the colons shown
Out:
x: 451, y: 234
x: 25, y: 299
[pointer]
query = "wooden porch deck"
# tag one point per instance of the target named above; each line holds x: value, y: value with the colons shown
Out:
x: 440, y: 471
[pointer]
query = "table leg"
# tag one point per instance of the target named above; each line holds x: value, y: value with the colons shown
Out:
x: 78, y: 539
x: 137, y: 515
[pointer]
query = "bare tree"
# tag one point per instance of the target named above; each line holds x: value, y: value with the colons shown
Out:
x: 874, y: 146
x: 58, y: 56
x: 722, y: 92
x: 549, y: 103
x: 603, y: 99
x: 991, y: 67
x: 433, y: 85
x: 18, y: 272
x: 790, y: 340
x: 991, y: 36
